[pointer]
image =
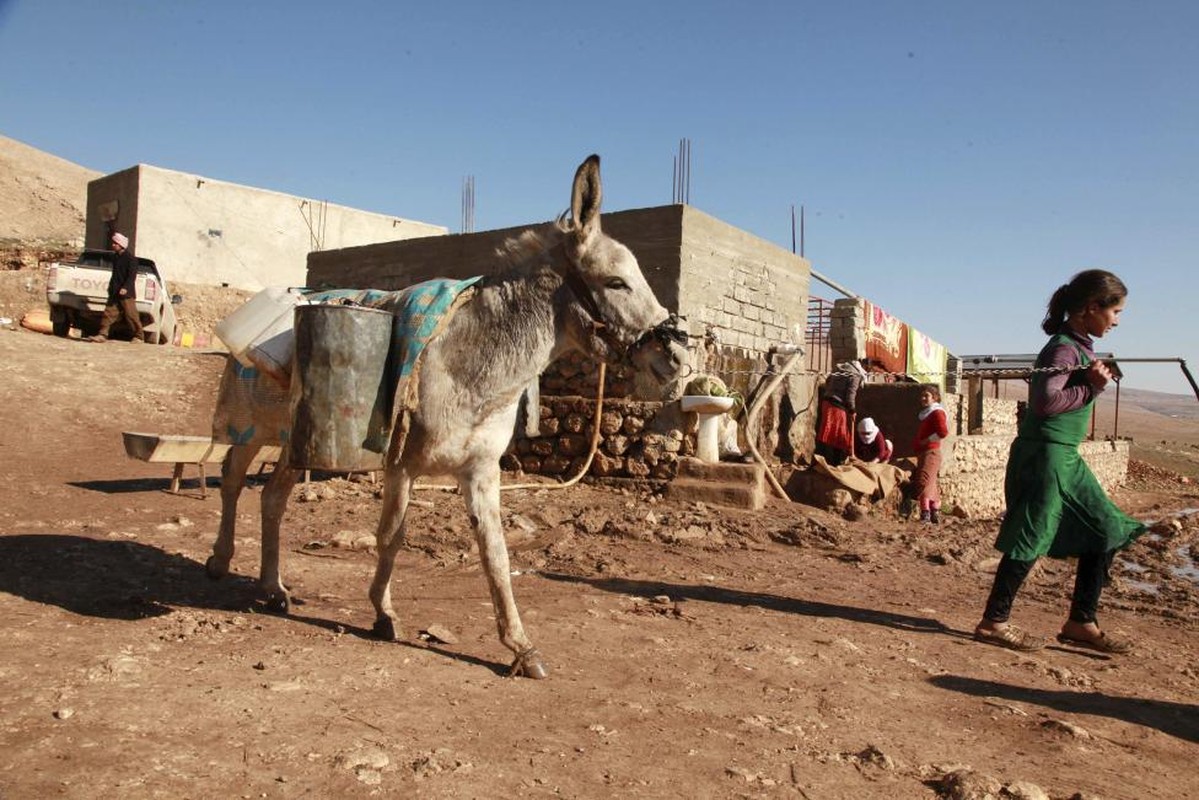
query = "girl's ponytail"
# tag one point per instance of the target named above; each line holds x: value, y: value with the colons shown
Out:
x: 1055, y: 314
x: 1089, y: 286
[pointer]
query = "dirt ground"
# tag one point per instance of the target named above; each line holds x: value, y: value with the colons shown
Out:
x: 693, y: 651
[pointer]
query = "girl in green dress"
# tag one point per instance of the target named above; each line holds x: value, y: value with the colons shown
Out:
x: 1055, y: 506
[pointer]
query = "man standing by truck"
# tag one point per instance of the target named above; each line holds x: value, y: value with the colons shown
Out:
x: 122, y: 292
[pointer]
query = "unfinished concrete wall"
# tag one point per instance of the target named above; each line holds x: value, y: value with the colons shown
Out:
x: 752, y: 293
x: 206, y: 231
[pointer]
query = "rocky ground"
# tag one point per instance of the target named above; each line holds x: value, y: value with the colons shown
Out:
x: 694, y: 651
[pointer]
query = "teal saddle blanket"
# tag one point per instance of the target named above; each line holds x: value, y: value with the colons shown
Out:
x: 253, y: 408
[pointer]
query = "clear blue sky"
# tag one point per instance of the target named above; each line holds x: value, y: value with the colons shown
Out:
x: 957, y: 160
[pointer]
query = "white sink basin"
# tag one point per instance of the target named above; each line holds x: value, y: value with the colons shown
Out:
x: 706, y: 404
x: 710, y: 409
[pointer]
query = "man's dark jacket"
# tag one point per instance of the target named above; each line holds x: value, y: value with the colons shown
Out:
x: 124, y: 276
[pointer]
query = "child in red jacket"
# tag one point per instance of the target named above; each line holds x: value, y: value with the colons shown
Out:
x: 933, y: 428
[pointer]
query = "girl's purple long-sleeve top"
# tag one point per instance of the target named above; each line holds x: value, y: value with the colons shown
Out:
x: 1063, y: 391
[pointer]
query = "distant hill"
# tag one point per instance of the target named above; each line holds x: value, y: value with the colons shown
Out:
x: 1176, y: 406
x: 43, y: 198
x: 1145, y: 415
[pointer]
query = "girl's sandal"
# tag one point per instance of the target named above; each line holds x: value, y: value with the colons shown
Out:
x: 1010, y: 636
x: 1106, y: 643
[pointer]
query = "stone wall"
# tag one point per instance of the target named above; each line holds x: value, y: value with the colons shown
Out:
x: 998, y: 417
x: 974, y: 463
x: 637, y: 440
x: 972, y: 475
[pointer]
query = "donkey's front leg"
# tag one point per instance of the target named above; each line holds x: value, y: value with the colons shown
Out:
x: 233, y: 480
x: 389, y: 536
x: 482, y: 493
x: 274, y: 502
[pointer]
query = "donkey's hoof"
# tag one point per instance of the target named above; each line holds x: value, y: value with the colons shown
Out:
x: 529, y: 665
x: 385, y: 629
x: 278, y: 602
x: 215, y: 568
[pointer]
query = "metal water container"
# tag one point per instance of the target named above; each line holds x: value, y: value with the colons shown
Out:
x: 341, y: 388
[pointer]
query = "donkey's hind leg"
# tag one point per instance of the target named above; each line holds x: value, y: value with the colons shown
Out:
x: 233, y: 480
x: 274, y: 502
x: 482, y: 493
x: 389, y: 536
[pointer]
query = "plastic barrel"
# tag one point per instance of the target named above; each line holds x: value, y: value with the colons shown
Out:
x: 257, y: 324
x: 340, y: 388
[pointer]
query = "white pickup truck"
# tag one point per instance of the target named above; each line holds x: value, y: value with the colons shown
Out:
x: 77, y: 292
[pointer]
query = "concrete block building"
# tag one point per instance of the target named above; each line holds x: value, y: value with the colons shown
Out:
x: 200, y: 230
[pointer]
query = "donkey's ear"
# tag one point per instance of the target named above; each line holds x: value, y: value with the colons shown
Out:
x: 585, y: 198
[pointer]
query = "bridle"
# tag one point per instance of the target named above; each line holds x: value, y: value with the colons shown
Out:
x: 663, y: 333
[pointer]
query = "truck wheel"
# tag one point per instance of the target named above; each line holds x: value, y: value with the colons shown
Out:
x: 61, y: 324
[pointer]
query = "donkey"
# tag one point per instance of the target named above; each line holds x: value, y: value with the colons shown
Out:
x: 571, y: 288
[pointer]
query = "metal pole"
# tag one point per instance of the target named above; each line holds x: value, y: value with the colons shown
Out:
x: 1116, y: 421
x: 792, y: 227
x: 829, y: 281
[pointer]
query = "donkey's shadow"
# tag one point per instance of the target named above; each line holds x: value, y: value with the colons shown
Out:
x: 114, y: 579
x: 127, y: 580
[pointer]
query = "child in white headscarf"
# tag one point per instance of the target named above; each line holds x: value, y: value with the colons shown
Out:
x: 872, y: 445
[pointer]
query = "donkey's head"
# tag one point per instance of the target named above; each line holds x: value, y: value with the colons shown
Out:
x: 613, y: 310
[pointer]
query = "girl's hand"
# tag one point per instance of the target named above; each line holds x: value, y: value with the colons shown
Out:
x: 1098, y: 375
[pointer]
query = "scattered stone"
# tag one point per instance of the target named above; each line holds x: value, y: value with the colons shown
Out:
x: 370, y: 777
x: 524, y: 523
x: 286, y: 686
x: 371, y: 757
x: 1167, y: 527
x: 743, y: 774
x: 439, y: 633
x: 872, y: 755
x: 988, y: 564
x: 188, y: 625
x: 440, y: 760
x: 1008, y: 707
x: 1023, y: 790
x: 966, y: 784
x: 64, y: 713
x: 838, y: 500
x: 855, y: 512
x: 354, y: 540
x: 1068, y: 728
